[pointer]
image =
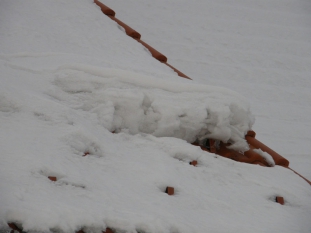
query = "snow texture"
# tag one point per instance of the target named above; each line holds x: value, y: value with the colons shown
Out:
x: 260, y: 49
x: 82, y: 102
x: 266, y: 156
x: 141, y: 104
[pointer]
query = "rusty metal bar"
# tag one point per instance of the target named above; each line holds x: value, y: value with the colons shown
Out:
x: 278, y: 159
x: 156, y: 54
x: 300, y: 176
x: 105, y: 9
x: 128, y: 30
x: 178, y: 72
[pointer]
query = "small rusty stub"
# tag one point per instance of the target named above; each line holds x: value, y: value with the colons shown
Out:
x: 279, y: 200
x: 193, y: 163
x: 52, y: 178
x: 169, y: 190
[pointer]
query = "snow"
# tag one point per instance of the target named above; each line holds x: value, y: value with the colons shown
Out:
x: 260, y: 49
x: 84, y: 103
x: 266, y: 156
x: 140, y: 104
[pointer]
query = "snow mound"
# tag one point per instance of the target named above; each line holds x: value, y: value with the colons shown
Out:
x: 129, y: 102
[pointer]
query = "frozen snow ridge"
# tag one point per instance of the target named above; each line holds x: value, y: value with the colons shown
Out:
x: 132, y: 103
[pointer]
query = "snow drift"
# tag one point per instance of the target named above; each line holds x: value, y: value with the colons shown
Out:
x: 125, y: 101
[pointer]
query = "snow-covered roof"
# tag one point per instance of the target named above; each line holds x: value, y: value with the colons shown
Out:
x: 93, y: 130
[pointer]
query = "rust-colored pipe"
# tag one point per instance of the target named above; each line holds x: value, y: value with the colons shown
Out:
x: 248, y: 157
x: 128, y: 30
x: 278, y: 159
x: 222, y: 149
x: 105, y: 9
x: 301, y: 176
x: 178, y: 72
x: 156, y: 54
x: 255, y: 157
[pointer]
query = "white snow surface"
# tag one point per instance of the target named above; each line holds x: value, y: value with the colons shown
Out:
x: 72, y: 83
x: 266, y: 156
x: 260, y: 49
